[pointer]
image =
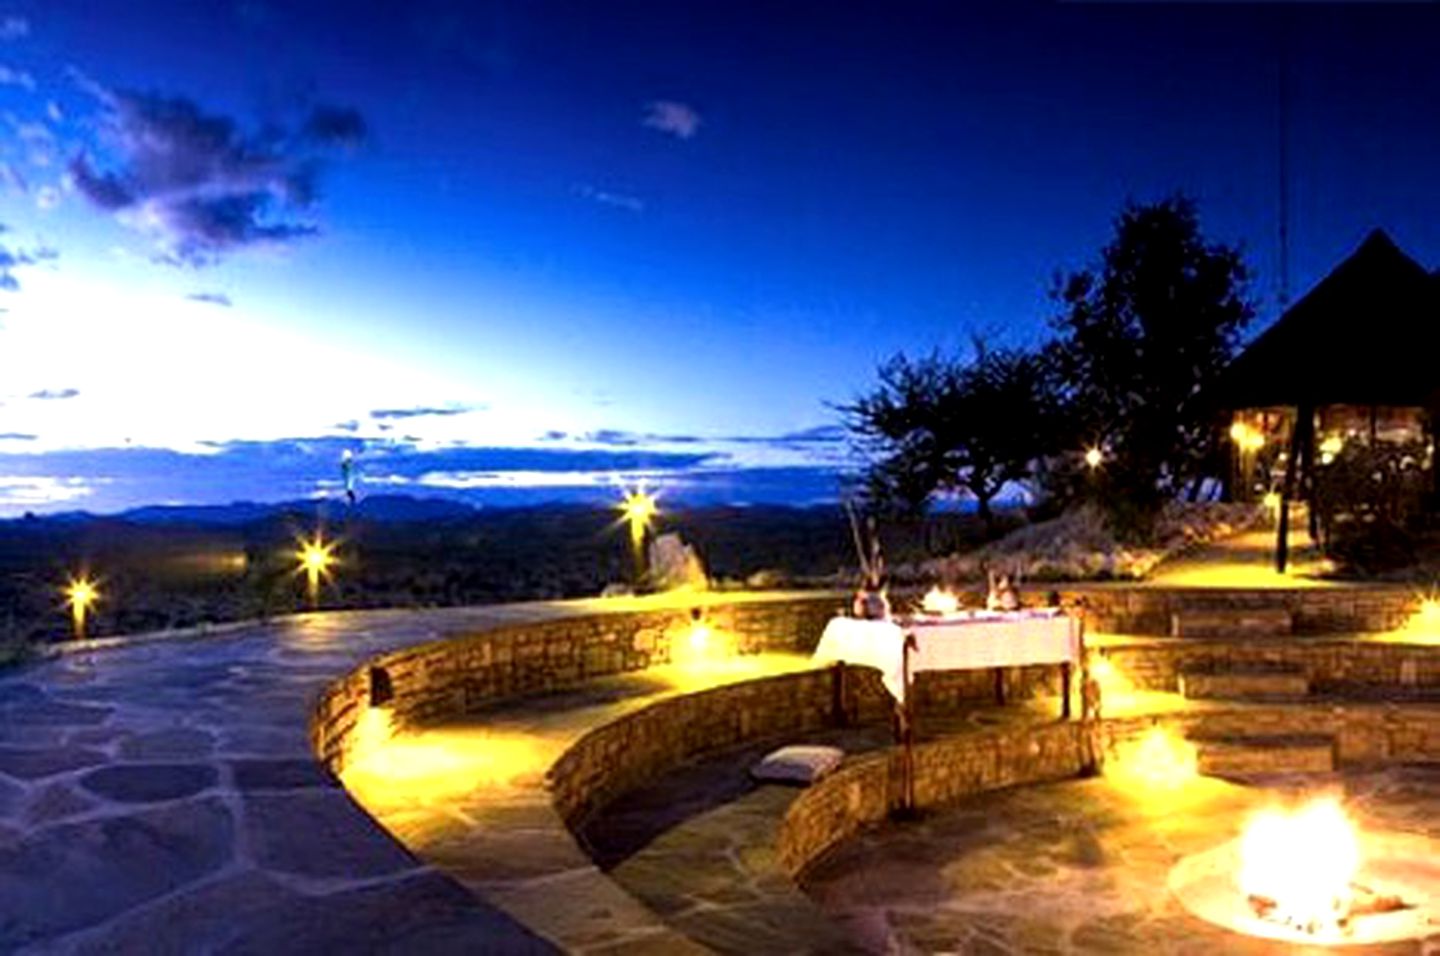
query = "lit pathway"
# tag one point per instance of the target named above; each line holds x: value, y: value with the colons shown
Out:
x: 1245, y: 560
x: 162, y: 797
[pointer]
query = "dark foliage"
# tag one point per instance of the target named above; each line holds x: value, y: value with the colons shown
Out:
x: 1371, y: 504
x: 942, y: 425
x: 1140, y: 338
x: 184, y: 572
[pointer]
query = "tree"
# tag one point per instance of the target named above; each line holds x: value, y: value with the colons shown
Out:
x: 938, y: 424
x: 1140, y: 339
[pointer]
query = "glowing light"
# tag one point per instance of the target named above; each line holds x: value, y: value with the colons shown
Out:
x: 1330, y: 448
x: 315, y: 558
x: 1116, y: 690
x: 1247, y: 438
x: 1160, y: 761
x: 81, y: 593
x: 1271, y: 501
x: 1093, y: 457
x: 1296, y: 867
x: 637, y: 509
x: 701, y: 645
x: 1424, y: 623
x: 387, y: 769
x: 939, y: 601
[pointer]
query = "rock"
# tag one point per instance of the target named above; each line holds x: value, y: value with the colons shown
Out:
x: 674, y: 565
x: 767, y: 579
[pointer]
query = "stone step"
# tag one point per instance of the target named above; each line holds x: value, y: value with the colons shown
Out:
x: 1231, y: 622
x: 1257, y: 683
x: 1245, y: 756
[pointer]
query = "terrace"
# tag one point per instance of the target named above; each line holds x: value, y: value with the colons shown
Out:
x: 572, y: 775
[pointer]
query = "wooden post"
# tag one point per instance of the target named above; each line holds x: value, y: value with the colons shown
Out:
x: 1304, y: 416
x: 838, y: 716
x: 907, y: 736
x: 1307, y: 470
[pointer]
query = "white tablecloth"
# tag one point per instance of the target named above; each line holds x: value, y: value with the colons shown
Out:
x: 964, y: 643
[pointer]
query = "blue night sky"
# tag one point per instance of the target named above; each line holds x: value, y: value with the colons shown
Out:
x: 513, y: 251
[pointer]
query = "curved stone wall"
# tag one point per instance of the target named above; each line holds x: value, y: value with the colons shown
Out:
x: 865, y: 790
x: 432, y: 682
x: 428, y: 683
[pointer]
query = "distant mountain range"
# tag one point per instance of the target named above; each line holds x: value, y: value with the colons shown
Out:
x: 379, y: 508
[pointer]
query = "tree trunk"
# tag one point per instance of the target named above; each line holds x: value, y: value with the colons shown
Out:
x: 987, y: 517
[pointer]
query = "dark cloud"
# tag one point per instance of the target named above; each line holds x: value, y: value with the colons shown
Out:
x: 200, y: 185
x: 554, y: 436
x: 611, y: 436
x: 211, y: 298
x: 620, y: 437
x: 421, y: 411
x: 294, y: 468
x: 350, y: 426
x: 55, y: 394
x: 336, y: 126
x: 17, y: 436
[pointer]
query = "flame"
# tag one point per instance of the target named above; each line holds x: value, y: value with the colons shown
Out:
x: 939, y: 601
x: 1296, y: 867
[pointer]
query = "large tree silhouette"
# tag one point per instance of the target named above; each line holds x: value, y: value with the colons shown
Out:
x: 940, y: 424
x: 1140, y: 338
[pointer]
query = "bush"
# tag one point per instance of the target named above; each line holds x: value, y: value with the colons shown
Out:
x: 1370, y: 501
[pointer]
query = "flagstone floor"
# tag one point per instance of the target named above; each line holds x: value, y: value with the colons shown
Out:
x: 162, y: 798
x: 1080, y: 867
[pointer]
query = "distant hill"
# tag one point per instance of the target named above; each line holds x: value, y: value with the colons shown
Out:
x: 380, y: 508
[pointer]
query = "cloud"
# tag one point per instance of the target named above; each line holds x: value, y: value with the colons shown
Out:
x: 422, y: 411
x: 670, y: 116
x: 14, y: 28
x: 17, y: 436
x: 55, y: 394
x: 13, y: 178
x: 13, y: 77
x: 211, y: 298
x: 299, y: 468
x: 606, y: 198
x: 199, y: 185
x: 11, y: 258
x: 336, y: 126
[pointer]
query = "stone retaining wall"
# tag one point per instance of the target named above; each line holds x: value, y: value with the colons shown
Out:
x: 462, y: 674
x: 1328, y: 664
x: 865, y: 790
x: 1117, y: 609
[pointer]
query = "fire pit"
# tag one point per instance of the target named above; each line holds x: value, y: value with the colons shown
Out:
x: 1309, y: 875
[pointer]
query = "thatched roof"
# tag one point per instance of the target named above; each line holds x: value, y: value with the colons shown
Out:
x: 1367, y: 334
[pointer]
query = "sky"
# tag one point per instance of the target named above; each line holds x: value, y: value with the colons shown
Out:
x: 518, y: 250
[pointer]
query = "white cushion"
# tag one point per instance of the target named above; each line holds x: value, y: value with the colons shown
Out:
x: 798, y: 763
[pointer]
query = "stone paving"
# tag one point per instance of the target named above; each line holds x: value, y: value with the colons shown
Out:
x: 470, y: 797
x: 162, y: 798
x: 1079, y: 867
